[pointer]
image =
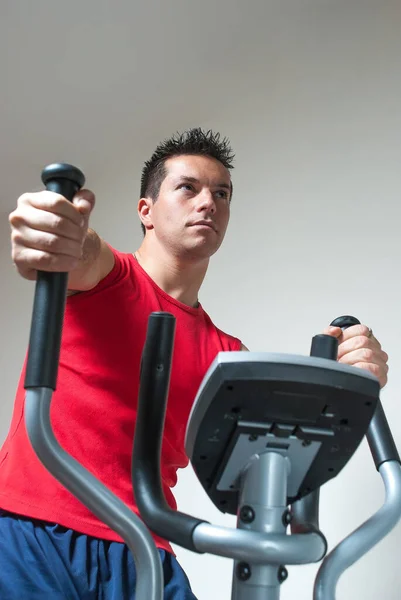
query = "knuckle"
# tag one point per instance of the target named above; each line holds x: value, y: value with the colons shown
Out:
x: 14, y: 218
x: 360, y: 341
x: 16, y: 256
x: 371, y: 367
x: 24, y: 199
x: 58, y: 202
x: 56, y: 222
x: 375, y: 369
x: 52, y: 262
x: 43, y: 259
x: 11, y: 217
x: 32, y: 199
x: 88, y: 195
x: 57, y: 245
x: 16, y: 238
x: 50, y: 242
x: 367, y: 354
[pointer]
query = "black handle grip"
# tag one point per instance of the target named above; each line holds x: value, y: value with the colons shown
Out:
x: 146, y: 476
x: 379, y: 436
x: 345, y: 321
x: 50, y: 295
x: 306, y: 510
x: 324, y: 346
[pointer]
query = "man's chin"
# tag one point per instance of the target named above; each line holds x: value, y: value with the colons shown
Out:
x: 199, y: 252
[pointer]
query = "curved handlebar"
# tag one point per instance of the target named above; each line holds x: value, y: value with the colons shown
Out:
x: 379, y: 436
x: 360, y: 541
x: 305, y: 512
x: 146, y: 477
x: 182, y: 529
x: 40, y: 381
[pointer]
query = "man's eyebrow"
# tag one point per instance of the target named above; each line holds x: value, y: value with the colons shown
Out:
x: 194, y: 180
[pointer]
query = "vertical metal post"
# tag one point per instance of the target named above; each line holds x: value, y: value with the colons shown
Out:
x: 263, y: 502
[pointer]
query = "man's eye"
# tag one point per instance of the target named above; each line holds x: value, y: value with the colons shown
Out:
x: 186, y: 186
x: 222, y: 194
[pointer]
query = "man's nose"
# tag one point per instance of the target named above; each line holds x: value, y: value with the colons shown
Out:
x: 206, y: 201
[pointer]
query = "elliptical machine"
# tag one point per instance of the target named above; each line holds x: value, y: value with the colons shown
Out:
x: 265, y: 433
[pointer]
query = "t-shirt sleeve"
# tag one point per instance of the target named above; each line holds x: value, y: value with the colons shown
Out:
x: 235, y: 343
x: 229, y: 342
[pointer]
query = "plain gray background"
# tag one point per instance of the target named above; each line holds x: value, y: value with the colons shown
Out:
x: 309, y: 92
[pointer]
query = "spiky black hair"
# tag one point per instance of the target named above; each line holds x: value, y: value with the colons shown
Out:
x: 194, y: 141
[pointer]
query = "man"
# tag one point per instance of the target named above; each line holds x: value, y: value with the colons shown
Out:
x: 51, y: 546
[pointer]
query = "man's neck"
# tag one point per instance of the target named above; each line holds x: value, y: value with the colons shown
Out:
x: 180, y: 279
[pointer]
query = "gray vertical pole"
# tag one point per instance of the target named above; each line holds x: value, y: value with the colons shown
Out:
x: 263, y: 502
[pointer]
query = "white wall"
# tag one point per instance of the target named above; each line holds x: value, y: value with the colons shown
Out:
x: 315, y: 122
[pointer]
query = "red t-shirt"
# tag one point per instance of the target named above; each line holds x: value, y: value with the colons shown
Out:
x: 93, y: 410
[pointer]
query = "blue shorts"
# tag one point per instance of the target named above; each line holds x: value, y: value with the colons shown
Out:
x: 40, y: 560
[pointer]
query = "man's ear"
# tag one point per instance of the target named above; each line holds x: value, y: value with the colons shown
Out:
x: 145, y: 212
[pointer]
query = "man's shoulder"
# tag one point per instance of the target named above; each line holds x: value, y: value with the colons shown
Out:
x: 229, y: 340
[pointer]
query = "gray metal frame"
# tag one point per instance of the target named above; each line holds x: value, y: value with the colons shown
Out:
x: 264, y: 541
x: 260, y: 545
x: 96, y: 496
x: 363, y: 539
x: 264, y: 544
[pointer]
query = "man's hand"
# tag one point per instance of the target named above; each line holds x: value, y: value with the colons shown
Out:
x: 48, y: 232
x: 358, y: 347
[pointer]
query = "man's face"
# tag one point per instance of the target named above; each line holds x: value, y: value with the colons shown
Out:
x: 192, y: 210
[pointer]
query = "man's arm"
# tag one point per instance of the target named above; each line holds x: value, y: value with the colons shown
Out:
x: 96, y: 263
x: 49, y: 233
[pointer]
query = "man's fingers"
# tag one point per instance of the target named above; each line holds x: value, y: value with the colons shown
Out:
x: 41, y: 220
x: 82, y: 204
x: 333, y: 331
x: 51, y: 243
x: 358, y: 342
x: 376, y: 370
x: 365, y: 355
x: 355, y: 330
x: 51, y: 203
x: 30, y: 261
x: 84, y: 200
